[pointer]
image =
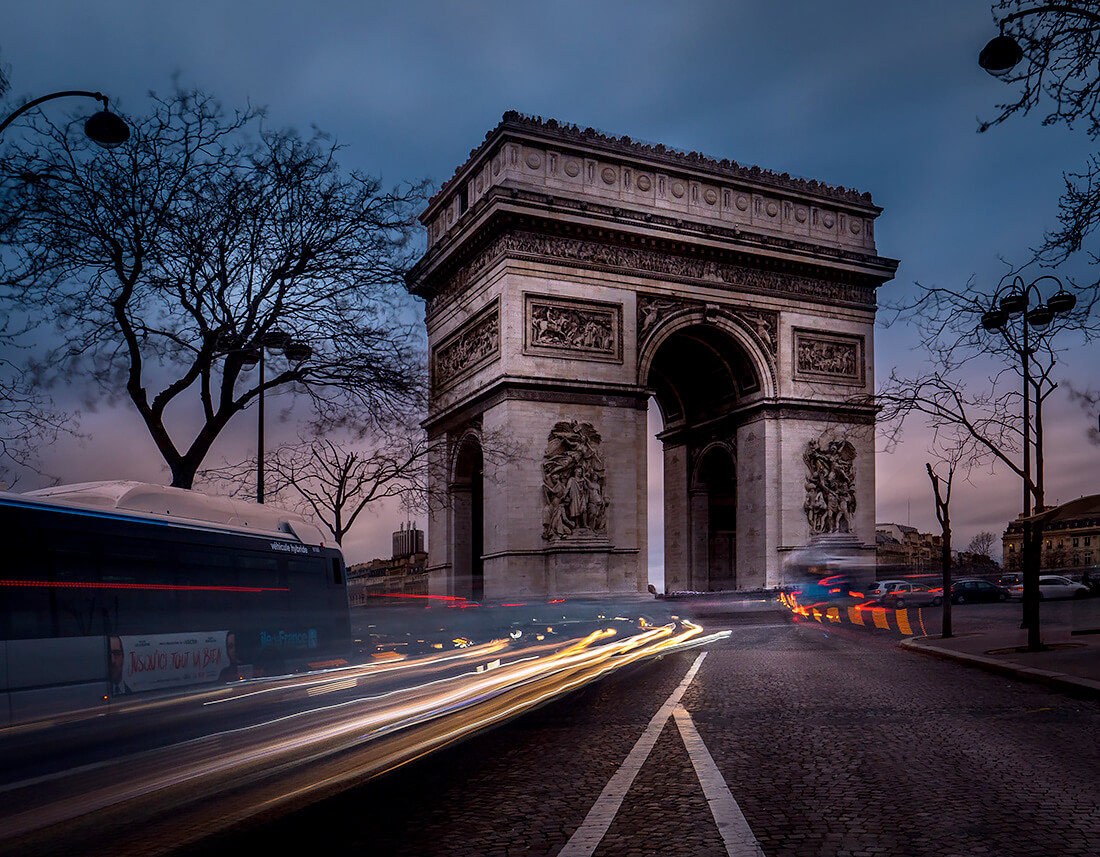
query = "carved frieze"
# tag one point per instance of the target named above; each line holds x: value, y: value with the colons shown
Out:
x: 474, y: 344
x: 828, y: 357
x: 633, y: 260
x: 573, y: 477
x: 564, y: 327
x: 830, y: 486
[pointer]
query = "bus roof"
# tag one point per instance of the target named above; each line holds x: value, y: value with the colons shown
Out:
x: 163, y: 502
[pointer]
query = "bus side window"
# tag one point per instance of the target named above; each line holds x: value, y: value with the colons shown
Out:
x: 337, y: 571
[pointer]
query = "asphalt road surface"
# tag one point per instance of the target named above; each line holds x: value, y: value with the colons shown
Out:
x: 782, y: 739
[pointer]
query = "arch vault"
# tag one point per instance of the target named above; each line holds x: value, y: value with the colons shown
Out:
x: 570, y: 277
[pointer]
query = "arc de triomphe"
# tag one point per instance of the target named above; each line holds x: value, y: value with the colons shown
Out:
x: 569, y: 277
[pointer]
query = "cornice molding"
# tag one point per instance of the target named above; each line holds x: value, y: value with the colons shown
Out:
x: 564, y: 134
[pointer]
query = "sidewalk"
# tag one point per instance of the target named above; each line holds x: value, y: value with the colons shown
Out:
x: 1069, y: 662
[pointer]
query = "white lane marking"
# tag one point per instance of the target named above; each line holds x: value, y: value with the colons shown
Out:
x: 735, y: 830
x: 584, y: 841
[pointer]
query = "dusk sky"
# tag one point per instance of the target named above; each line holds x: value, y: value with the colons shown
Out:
x: 884, y: 97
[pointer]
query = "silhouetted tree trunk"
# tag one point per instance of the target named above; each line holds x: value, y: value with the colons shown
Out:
x: 943, y: 515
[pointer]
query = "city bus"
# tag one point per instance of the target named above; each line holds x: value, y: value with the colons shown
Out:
x: 111, y: 589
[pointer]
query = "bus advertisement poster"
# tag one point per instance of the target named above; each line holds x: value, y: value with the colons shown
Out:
x: 155, y: 661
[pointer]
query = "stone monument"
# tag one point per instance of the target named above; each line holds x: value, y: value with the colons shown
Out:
x: 569, y: 278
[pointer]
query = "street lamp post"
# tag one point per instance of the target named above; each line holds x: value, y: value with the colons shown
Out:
x: 103, y: 128
x: 1017, y: 304
x: 252, y: 354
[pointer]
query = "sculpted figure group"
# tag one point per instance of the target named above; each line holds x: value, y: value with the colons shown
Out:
x: 556, y: 326
x: 830, y: 487
x: 573, y: 482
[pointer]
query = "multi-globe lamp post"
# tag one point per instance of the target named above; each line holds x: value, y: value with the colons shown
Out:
x: 1015, y: 307
x: 999, y: 57
x: 253, y: 353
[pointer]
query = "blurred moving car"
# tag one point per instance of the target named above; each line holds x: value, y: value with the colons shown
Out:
x: 882, y: 587
x: 1053, y: 586
x: 907, y: 594
x: 1011, y: 579
x: 972, y: 590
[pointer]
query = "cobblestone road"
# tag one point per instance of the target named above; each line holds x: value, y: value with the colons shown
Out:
x: 831, y: 742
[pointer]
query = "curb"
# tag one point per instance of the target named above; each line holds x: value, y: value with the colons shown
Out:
x: 1085, y: 687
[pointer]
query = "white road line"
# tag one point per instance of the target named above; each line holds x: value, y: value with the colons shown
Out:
x: 735, y: 830
x: 584, y: 841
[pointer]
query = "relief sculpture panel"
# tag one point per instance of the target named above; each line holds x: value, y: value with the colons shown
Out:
x: 473, y: 345
x: 573, y: 476
x: 585, y: 330
x: 830, y: 486
x: 828, y: 357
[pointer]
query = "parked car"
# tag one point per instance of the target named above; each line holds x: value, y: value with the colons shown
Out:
x: 963, y: 591
x: 912, y: 595
x: 1053, y: 586
x: 881, y: 587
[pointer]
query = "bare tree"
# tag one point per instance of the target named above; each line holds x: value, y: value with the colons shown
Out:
x: 1059, y: 66
x: 956, y: 451
x: 982, y: 544
x: 333, y: 482
x: 167, y: 263
x: 1089, y: 400
x: 28, y: 423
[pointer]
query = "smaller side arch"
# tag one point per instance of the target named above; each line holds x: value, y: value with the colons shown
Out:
x: 466, y: 498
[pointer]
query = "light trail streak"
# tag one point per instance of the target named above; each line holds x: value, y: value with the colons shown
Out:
x: 394, y: 726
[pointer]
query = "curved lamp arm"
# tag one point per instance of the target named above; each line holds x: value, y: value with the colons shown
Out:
x: 104, y: 127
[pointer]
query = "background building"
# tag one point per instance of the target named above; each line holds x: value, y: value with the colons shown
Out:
x: 1071, y: 538
x: 403, y: 573
x: 902, y: 546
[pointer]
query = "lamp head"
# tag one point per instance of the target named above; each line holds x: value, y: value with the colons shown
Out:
x: 275, y: 341
x: 1014, y: 302
x: 297, y: 352
x: 106, y: 129
x: 1062, y: 301
x: 994, y: 319
x: 1000, y: 55
x: 250, y: 357
x: 1040, y: 317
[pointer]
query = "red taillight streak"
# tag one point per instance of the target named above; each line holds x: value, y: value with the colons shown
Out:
x: 65, y: 584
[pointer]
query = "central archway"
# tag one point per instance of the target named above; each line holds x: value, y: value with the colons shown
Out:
x: 704, y: 370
